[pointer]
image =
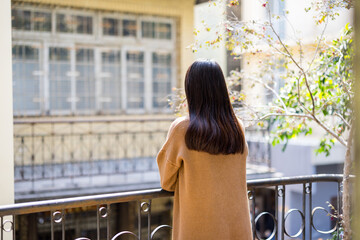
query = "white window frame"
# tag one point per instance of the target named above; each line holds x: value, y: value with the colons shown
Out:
x: 158, y: 20
x: 99, y: 42
x: 76, y: 36
x: 99, y: 82
x: 16, y: 33
x: 72, y: 74
x: 120, y: 17
x: 40, y: 74
x: 172, y: 78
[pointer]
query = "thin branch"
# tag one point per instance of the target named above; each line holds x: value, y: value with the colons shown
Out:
x: 272, y: 90
x: 284, y: 115
x: 343, y: 119
x: 331, y: 132
x: 294, y: 61
x: 318, y: 45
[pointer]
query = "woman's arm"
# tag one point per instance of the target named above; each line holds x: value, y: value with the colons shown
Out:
x: 169, y: 160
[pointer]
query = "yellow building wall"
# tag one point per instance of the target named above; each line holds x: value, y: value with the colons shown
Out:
x: 182, y: 10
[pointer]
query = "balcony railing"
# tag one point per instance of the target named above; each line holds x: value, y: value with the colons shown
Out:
x: 97, y: 152
x: 278, y: 216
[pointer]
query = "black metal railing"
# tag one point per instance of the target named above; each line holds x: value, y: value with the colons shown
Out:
x: 82, y: 151
x: 54, y: 214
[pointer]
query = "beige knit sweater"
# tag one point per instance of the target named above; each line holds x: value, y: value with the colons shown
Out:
x: 210, y: 199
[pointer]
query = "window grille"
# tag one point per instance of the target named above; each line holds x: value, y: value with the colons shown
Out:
x: 156, y: 30
x: 26, y: 79
x: 27, y: 20
x: 135, y: 80
x: 85, y: 79
x: 161, y: 63
x: 66, y: 23
x: 103, y: 67
x: 60, y: 79
x: 129, y: 28
x: 111, y: 81
x: 111, y: 27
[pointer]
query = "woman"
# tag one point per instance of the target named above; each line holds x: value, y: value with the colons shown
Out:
x: 204, y: 162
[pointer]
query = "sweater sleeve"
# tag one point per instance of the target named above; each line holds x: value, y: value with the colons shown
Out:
x: 169, y: 160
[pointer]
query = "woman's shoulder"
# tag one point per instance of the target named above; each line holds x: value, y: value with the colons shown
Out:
x: 241, y: 124
x: 180, y: 123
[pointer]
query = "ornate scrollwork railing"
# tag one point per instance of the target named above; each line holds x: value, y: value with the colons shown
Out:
x: 59, y: 208
x: 85, y: 150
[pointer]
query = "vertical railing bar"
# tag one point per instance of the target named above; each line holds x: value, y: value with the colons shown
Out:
x: 338, y: 210
x: 97, y: 223
x: 283, y: 214
x: 149, y: 219
x: 32, y: 157
x: 52, y: 154
x: 310, y: 209
x: 91, y: 151
x: 13, y: 228
x: 43, y: 157
x: 304, y: 210
x: 253, y: 213
x: 63, y: 224
x: 277, y: 212
x: 23, y: 158
x: 108, y: 222
x: 1, y: 228
x: 52, y: 224
x: 71, y: 163
x: 139, y: 219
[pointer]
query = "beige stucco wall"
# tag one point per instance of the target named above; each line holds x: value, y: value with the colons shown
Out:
x: 6, y: 119
x: 182, y: 10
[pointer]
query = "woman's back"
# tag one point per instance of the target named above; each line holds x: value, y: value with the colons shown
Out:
x: 210, y: 190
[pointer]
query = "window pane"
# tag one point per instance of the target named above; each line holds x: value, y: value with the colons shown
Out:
x: 129, y: 28
x: 60, y: 81
x: 135, y: 80
x: 64, y: 23
x: 110, y: 26
x: 74, y: 24
x: 26, y: 83
x: 21, y: 19
x: 85, y: 81
x: 83, y: 24
x: 42, y: 21
x: 161, y: 79
x: 163, y: 30
x: 111, y: 81
x: 148, y: 29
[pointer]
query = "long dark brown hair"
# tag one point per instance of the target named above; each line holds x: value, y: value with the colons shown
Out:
x: 213, y: 126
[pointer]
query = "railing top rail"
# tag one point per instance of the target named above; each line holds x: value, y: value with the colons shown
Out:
x: 295, y: 180
x: 92, y: 200
x: 92, y: 120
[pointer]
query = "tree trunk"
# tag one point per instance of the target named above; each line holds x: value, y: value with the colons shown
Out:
x: 346, y: 201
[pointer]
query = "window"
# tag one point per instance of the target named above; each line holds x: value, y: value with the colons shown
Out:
x: 111, y: 27
x: 135, y: 79
x: 156, y: 30
x: 129, y: 28
x: 110, y: 72
x: 163, y: 30
x: 161, y: 63
x: 148, y: 29
x: 66, y: 23
x: 111, y: 81
x: 27, y: 20
x: 26, y: 81
x: 85, y: 79
x: 60, y: 79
